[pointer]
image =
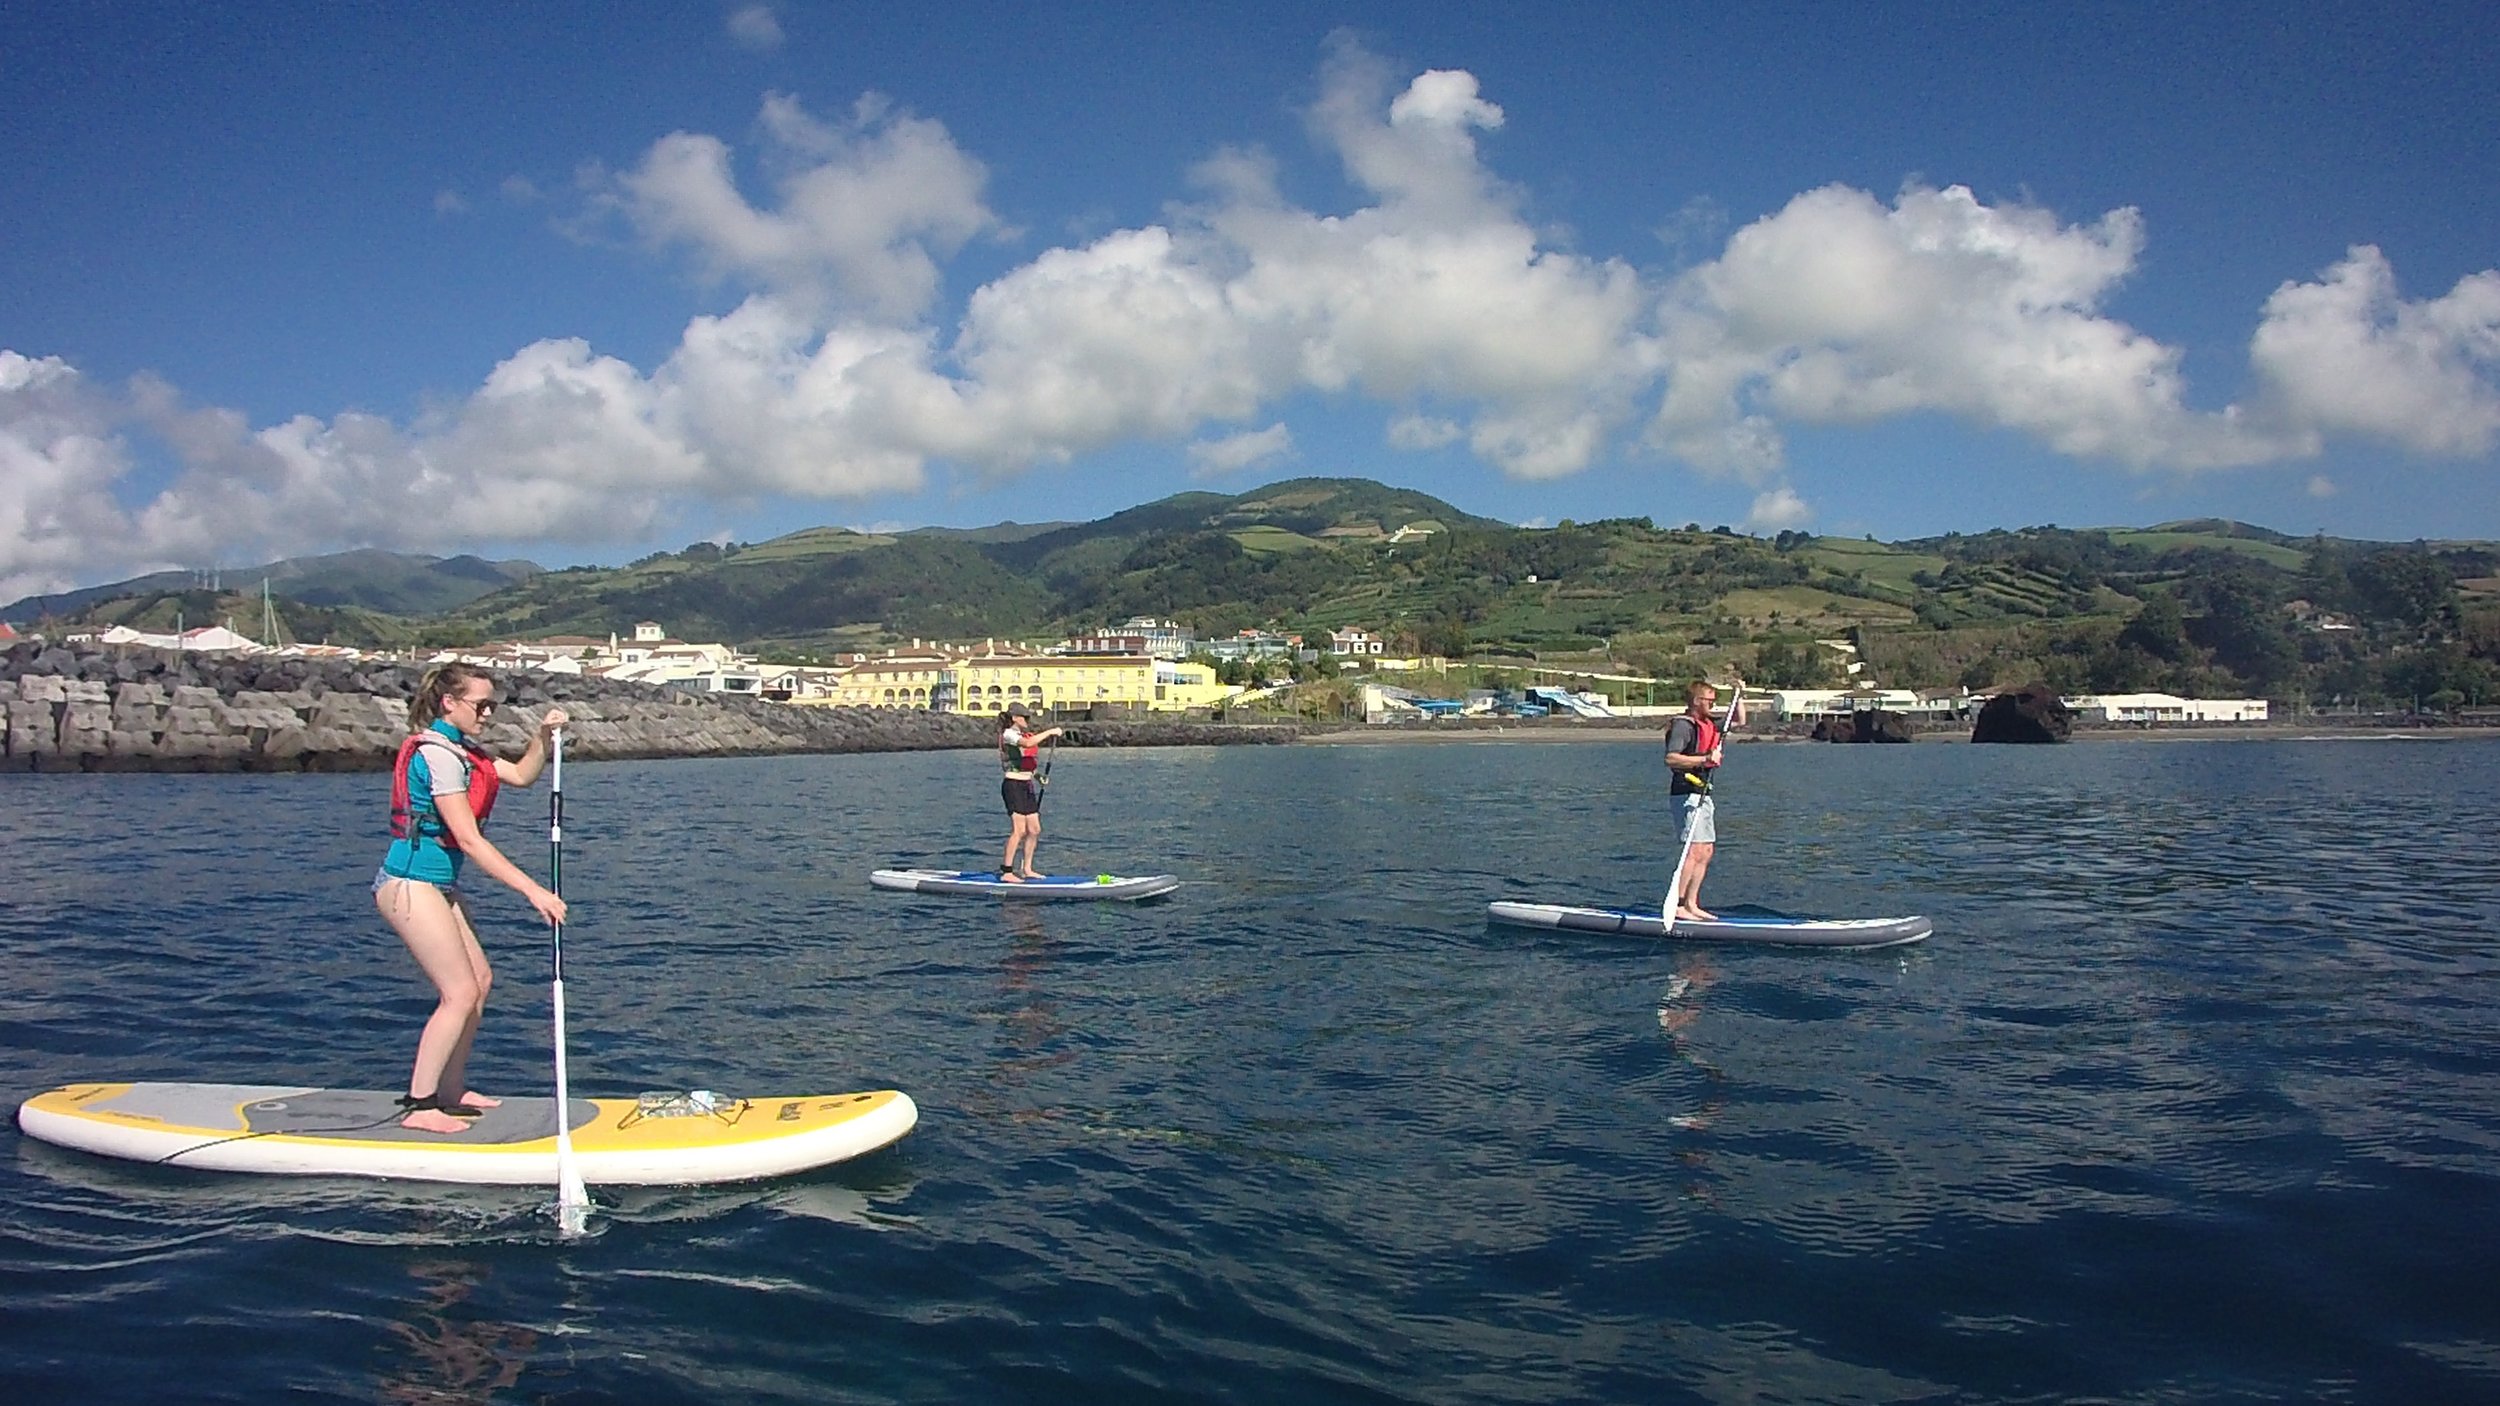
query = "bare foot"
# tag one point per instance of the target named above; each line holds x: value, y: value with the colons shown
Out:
x: 1010, y: 878
x: 1692, y: 915
x: 478, y: 1100
x: 1701, y: 915
x: 433, y: 1120
x: 1031, y: 875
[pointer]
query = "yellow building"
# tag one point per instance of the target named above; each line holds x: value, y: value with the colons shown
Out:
x: 988, y: 683
x: 891, y: 681
x: 1181, y: 686
x: 1055, y: 682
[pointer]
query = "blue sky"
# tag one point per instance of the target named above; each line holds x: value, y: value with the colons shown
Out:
x: 577, y: 281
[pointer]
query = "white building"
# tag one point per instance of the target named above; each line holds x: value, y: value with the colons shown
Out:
x: 1354, y: 642
x: 1795, y: 704
x: 2166, y: 708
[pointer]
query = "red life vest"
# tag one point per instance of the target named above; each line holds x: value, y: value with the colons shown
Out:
x: 1020, y: 755
x: 1696, y: 781
x: 483, y: 784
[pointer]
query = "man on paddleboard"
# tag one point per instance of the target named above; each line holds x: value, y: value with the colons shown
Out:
x: 1694, y: 743
x: 1020, y: 755
x: 442, y: 785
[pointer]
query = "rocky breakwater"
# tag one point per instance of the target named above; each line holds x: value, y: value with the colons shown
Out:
x: 81, y: 709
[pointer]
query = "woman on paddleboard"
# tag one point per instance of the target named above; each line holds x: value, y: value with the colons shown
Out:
x: 1020, y: 755
x: 442, y: 784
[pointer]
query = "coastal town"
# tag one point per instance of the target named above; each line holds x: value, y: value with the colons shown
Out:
x: 1143, y: 667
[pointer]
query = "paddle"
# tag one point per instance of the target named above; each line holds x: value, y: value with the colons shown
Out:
x: 572, y: 1198
x: 1675, y: 881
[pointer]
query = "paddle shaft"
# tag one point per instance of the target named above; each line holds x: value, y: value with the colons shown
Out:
x: 1684, y: 856
x: 572, y: 1198
x: 555, y: 837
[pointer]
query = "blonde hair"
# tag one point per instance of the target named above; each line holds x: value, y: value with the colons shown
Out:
x: 440, y: 682
x: 1700, y: 687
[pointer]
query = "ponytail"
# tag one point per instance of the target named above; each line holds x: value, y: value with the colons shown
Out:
x: 440, y: 682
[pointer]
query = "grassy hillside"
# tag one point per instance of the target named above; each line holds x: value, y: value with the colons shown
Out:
x: 393, y: 583
x: 2201, y: 606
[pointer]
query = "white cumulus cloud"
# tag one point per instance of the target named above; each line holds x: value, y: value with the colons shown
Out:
x: 755, y: 26
x: 1778, y: 510
x: 1419, y: 432
x: 1213, y: 458
x: 1841, y: 308
x: 2347, y: 354
x: 866, y: 206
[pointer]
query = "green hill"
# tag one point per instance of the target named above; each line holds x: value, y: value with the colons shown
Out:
x: 395, y: 583
x: 2206, y: 605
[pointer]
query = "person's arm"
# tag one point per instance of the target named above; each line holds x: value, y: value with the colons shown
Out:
x: 524, y: 770
x: 461, y: 822
x: 1683, y: 761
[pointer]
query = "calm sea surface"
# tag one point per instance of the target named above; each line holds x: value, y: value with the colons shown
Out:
x: 2193, y: 1096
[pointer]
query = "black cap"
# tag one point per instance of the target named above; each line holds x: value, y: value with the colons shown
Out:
x: 1018, y: 710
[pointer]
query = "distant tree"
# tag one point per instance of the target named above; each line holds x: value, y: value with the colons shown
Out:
x: 2407, y: 587
x: 2322, y: 578
x: 2159, y: 630
x: 1780, y: 664
x: 2243, y: 621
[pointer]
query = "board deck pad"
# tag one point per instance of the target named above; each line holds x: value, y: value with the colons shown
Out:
x: 336, y: 1113
x: 1733, y: 924
x: 294, y: 1130
x: 986, y: 883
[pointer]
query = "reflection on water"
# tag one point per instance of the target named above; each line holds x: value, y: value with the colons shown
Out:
x: 1679, y: 1008
x: 447, y: 1353
x: 2188, y: 1098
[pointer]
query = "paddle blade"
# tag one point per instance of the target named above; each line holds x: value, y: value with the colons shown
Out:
x: 572, y: 1198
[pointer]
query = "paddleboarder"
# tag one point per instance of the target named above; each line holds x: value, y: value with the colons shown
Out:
x: 1020, y: 756
x: 1695, y: 743
x: 443, y: 784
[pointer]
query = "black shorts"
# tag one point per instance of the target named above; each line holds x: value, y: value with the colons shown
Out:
x: 1022, y: 796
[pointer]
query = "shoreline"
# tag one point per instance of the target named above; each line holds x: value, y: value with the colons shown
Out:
x: 1409, y: 734
x: 66, y: 710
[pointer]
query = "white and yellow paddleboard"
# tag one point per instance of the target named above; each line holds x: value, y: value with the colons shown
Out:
x: 671, y: 1140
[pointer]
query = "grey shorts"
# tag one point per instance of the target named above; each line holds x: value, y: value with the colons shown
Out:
x: 1698, y: 821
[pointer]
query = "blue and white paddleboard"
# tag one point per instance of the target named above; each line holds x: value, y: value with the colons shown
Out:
x: 987, y: 884
x: 1733, y: 925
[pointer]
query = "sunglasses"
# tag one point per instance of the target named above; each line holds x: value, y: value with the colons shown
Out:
x: 485, y: 706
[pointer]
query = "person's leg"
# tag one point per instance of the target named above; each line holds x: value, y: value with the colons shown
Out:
x: 1032, y: 840
x: 1020, y: 848
x: 1699, y: 837
x: 456, y: 1069
x: 1015, y: 831
x: 1690, y: 907
x: 424, y: 919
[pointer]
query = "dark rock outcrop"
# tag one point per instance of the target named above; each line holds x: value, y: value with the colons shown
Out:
x: 65, y: 709
x: 1865, y: 725
x: 2032, y: 713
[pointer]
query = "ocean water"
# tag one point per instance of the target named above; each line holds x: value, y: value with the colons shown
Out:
x: 2193, y: 1096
